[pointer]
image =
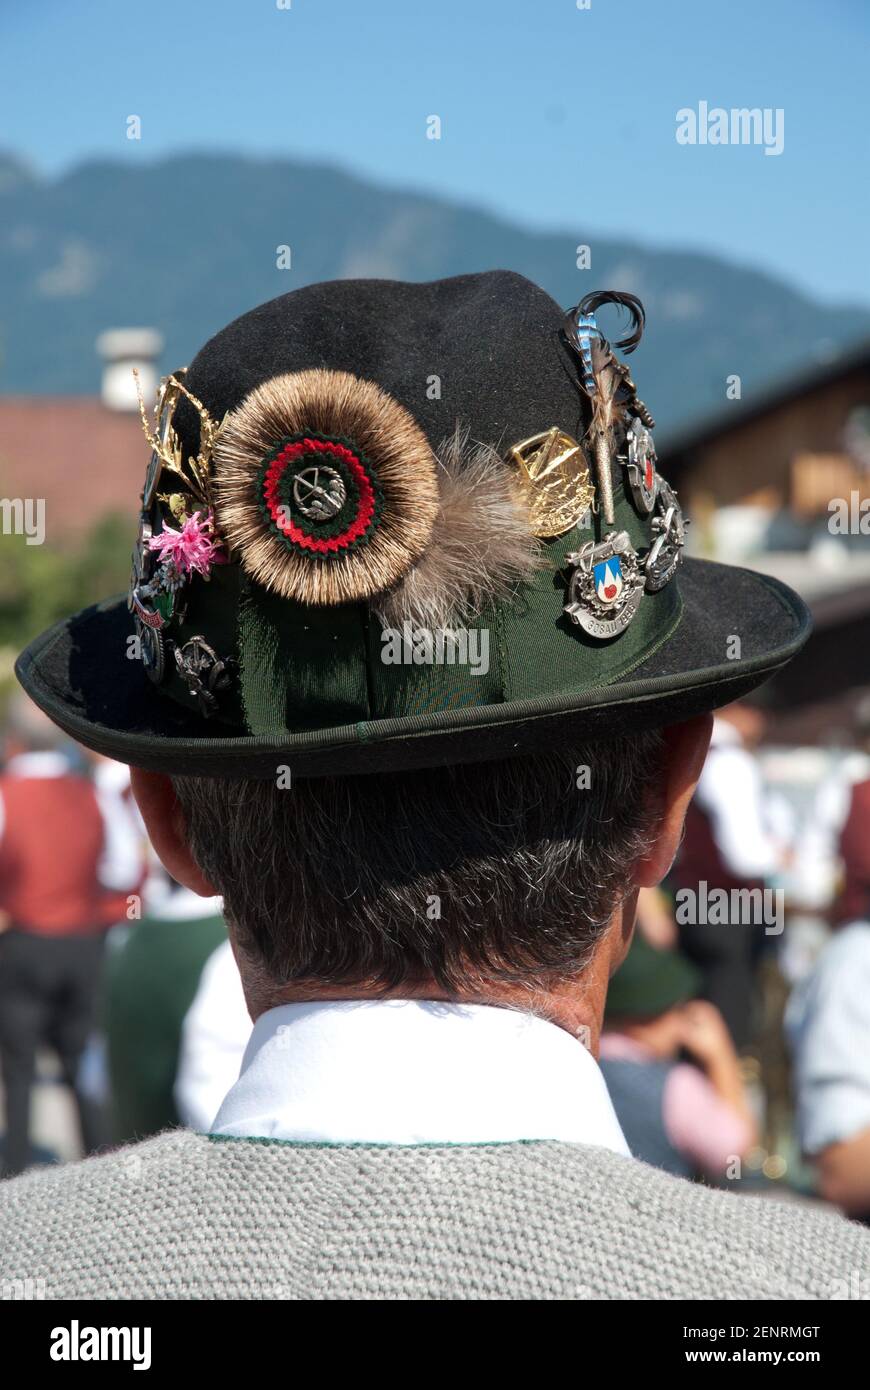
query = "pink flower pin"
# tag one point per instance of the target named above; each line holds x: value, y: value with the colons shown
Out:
x: 192, y: 550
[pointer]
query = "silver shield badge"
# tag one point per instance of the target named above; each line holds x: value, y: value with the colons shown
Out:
x: 605, y: 587
x: 640, y: 465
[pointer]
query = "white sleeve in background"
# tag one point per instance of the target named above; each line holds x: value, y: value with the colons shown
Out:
x: 828, y: 1023
x: 122, y: 861
x: 731, y: 792
x: 213, y: 1041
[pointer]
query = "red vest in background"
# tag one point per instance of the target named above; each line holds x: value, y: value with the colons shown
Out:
x: 700, y: 859
x: 49, y: 852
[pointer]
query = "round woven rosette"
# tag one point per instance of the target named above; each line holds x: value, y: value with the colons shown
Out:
x: 326, y: 489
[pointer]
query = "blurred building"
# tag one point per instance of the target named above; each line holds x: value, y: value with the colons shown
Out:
x: 84, y: 455
x: 782, y: 484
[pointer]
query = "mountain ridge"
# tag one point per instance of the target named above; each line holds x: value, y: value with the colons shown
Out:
x: 189, y: 242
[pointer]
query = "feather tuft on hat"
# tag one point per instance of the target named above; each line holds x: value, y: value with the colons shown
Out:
x: 482, y: 546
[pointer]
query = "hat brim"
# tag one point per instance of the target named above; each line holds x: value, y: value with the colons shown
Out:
x: 73, y: 673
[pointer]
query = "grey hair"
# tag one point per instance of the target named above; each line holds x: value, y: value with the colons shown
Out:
x: 495, y: 871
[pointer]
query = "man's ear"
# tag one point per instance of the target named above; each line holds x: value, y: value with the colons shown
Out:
x: 166, y: 830
x: 685, y: 750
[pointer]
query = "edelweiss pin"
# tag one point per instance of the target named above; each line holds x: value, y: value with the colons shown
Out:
x: 554, y: 476
x: 606, y: 585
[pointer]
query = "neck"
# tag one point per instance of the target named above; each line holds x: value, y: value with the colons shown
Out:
x: 574, y: 1003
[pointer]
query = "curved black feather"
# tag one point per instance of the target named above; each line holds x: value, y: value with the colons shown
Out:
x: 591, y: 302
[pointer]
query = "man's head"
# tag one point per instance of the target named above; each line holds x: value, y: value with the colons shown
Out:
x: 327, y: 541
x: 503, y: 879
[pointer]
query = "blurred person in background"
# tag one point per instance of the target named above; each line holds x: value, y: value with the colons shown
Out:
x: 854, y: 899
x: 828, y: 1021
x: 152, y: 977
x: 125, y: 844
x: 693, y: 1120
x: 217, y: 1029
x: 728, y: 844
x: 655, y: 918
x: 60, y: 887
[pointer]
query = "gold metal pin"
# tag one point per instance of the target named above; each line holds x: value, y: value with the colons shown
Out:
x: 554, y: 474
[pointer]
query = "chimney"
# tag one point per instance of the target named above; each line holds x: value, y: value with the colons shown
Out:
x: 122, y: 349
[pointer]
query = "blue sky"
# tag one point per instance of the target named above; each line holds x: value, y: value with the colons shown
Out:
x: 551, y: 116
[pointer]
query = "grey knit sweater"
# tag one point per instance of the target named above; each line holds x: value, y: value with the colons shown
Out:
x: 183, y: 1216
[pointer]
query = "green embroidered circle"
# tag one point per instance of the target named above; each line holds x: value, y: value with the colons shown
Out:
x: 319, y: 494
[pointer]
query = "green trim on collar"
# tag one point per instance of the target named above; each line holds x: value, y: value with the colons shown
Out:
x: 365, y: 1144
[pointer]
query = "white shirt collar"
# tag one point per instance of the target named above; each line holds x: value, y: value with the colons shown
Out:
x: 416, y: 1072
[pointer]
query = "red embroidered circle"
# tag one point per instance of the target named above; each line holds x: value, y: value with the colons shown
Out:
x: 294, y: 534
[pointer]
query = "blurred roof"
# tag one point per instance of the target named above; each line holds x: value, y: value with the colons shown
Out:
x: 83, y: 459
x: 832, y: 593
x: 854, y: 361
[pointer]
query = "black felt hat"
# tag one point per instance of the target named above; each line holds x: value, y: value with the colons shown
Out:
x: 390, y: 525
